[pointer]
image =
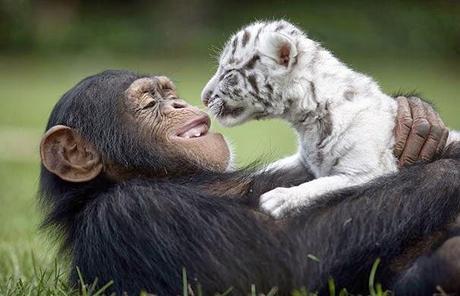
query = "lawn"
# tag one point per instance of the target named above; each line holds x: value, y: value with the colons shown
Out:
x: 30, y: 85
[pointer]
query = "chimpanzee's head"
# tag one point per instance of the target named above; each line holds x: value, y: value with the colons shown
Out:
x: 118, y: 124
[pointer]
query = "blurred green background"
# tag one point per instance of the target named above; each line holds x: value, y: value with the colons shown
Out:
x: 47, y: 46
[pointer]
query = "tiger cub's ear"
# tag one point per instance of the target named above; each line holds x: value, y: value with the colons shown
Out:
x: 278, y: 47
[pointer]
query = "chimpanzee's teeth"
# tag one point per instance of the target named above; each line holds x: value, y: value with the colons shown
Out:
x: 195, y: 132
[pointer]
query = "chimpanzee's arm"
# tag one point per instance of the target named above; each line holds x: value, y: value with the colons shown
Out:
x: 267, y: 180
x: 348, y: 231
x: 247, y: 185
x: 143, y: 233
x: 438, y: 270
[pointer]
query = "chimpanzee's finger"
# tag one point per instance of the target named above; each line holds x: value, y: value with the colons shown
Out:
x: 418, y: 134
x: 437, y: 122
x: 403, y: 125
x: 443, y: 141
x: 430, y: 148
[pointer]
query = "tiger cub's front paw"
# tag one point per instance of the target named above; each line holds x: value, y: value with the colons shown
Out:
x: 279, y: 201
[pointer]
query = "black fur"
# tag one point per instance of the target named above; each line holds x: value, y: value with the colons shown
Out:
x: 142, y: 232
x: 252, y: 62
x: 433, y: 270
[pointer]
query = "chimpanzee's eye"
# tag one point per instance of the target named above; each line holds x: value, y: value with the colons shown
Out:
x: 150, y: 104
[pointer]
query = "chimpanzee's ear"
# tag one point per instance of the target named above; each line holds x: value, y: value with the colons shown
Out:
x: 278, y: 47
x: 67, y: 155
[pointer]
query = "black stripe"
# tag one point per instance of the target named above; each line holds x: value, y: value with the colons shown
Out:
x: 270, y: 97
x: 279, y: 27
x: 221, y: 77
x: 245, y: 39
x: 234, y: 45
x: 269, y: 87
x: 241, y: 72
x: 257, y: 35
x: 236, y: 92
x: 325, y: 124
x: 253, y: 81
x: 266, y: 103
x: 313, y: 91
x: 259, y: 115
x: 243, y: 76
x: 252, y: 62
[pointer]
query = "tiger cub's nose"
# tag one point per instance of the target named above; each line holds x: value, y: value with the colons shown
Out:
x: 206, y: 98
x: 209, y: 98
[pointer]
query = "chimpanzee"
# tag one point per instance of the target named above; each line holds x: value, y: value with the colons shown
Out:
x: 139, y: 190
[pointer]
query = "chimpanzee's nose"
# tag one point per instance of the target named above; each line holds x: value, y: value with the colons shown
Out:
x: 179, y: 104
x: 171, y: 105
x: 210, y: 99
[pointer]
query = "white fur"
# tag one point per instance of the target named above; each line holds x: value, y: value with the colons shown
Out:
x: 361, y: 139
x: 314, y: 92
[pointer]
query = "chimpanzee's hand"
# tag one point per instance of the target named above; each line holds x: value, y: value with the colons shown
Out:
x: 420, y: 132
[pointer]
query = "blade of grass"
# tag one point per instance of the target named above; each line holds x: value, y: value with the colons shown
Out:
x: 372, y: 278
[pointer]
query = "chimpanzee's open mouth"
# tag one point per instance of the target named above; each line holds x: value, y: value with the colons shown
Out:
x: 196, y: 128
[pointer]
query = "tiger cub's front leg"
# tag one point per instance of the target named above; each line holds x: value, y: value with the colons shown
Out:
x: 279, y: 201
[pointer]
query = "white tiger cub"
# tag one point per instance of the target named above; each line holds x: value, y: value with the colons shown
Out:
x: 343, y: 120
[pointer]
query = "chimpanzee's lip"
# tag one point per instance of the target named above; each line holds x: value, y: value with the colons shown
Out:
x: 195, y: 128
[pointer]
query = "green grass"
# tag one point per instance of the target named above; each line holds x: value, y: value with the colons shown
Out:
x: 52, y: 281
x: 29, y: 87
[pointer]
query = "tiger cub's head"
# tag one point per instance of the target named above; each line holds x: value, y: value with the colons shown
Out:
x: 256, y: 70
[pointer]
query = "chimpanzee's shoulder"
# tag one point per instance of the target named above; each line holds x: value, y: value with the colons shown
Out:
x: 140, y: 191
x: 137, y: 186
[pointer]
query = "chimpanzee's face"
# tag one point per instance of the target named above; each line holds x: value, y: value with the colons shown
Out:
x: 180, y: 130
